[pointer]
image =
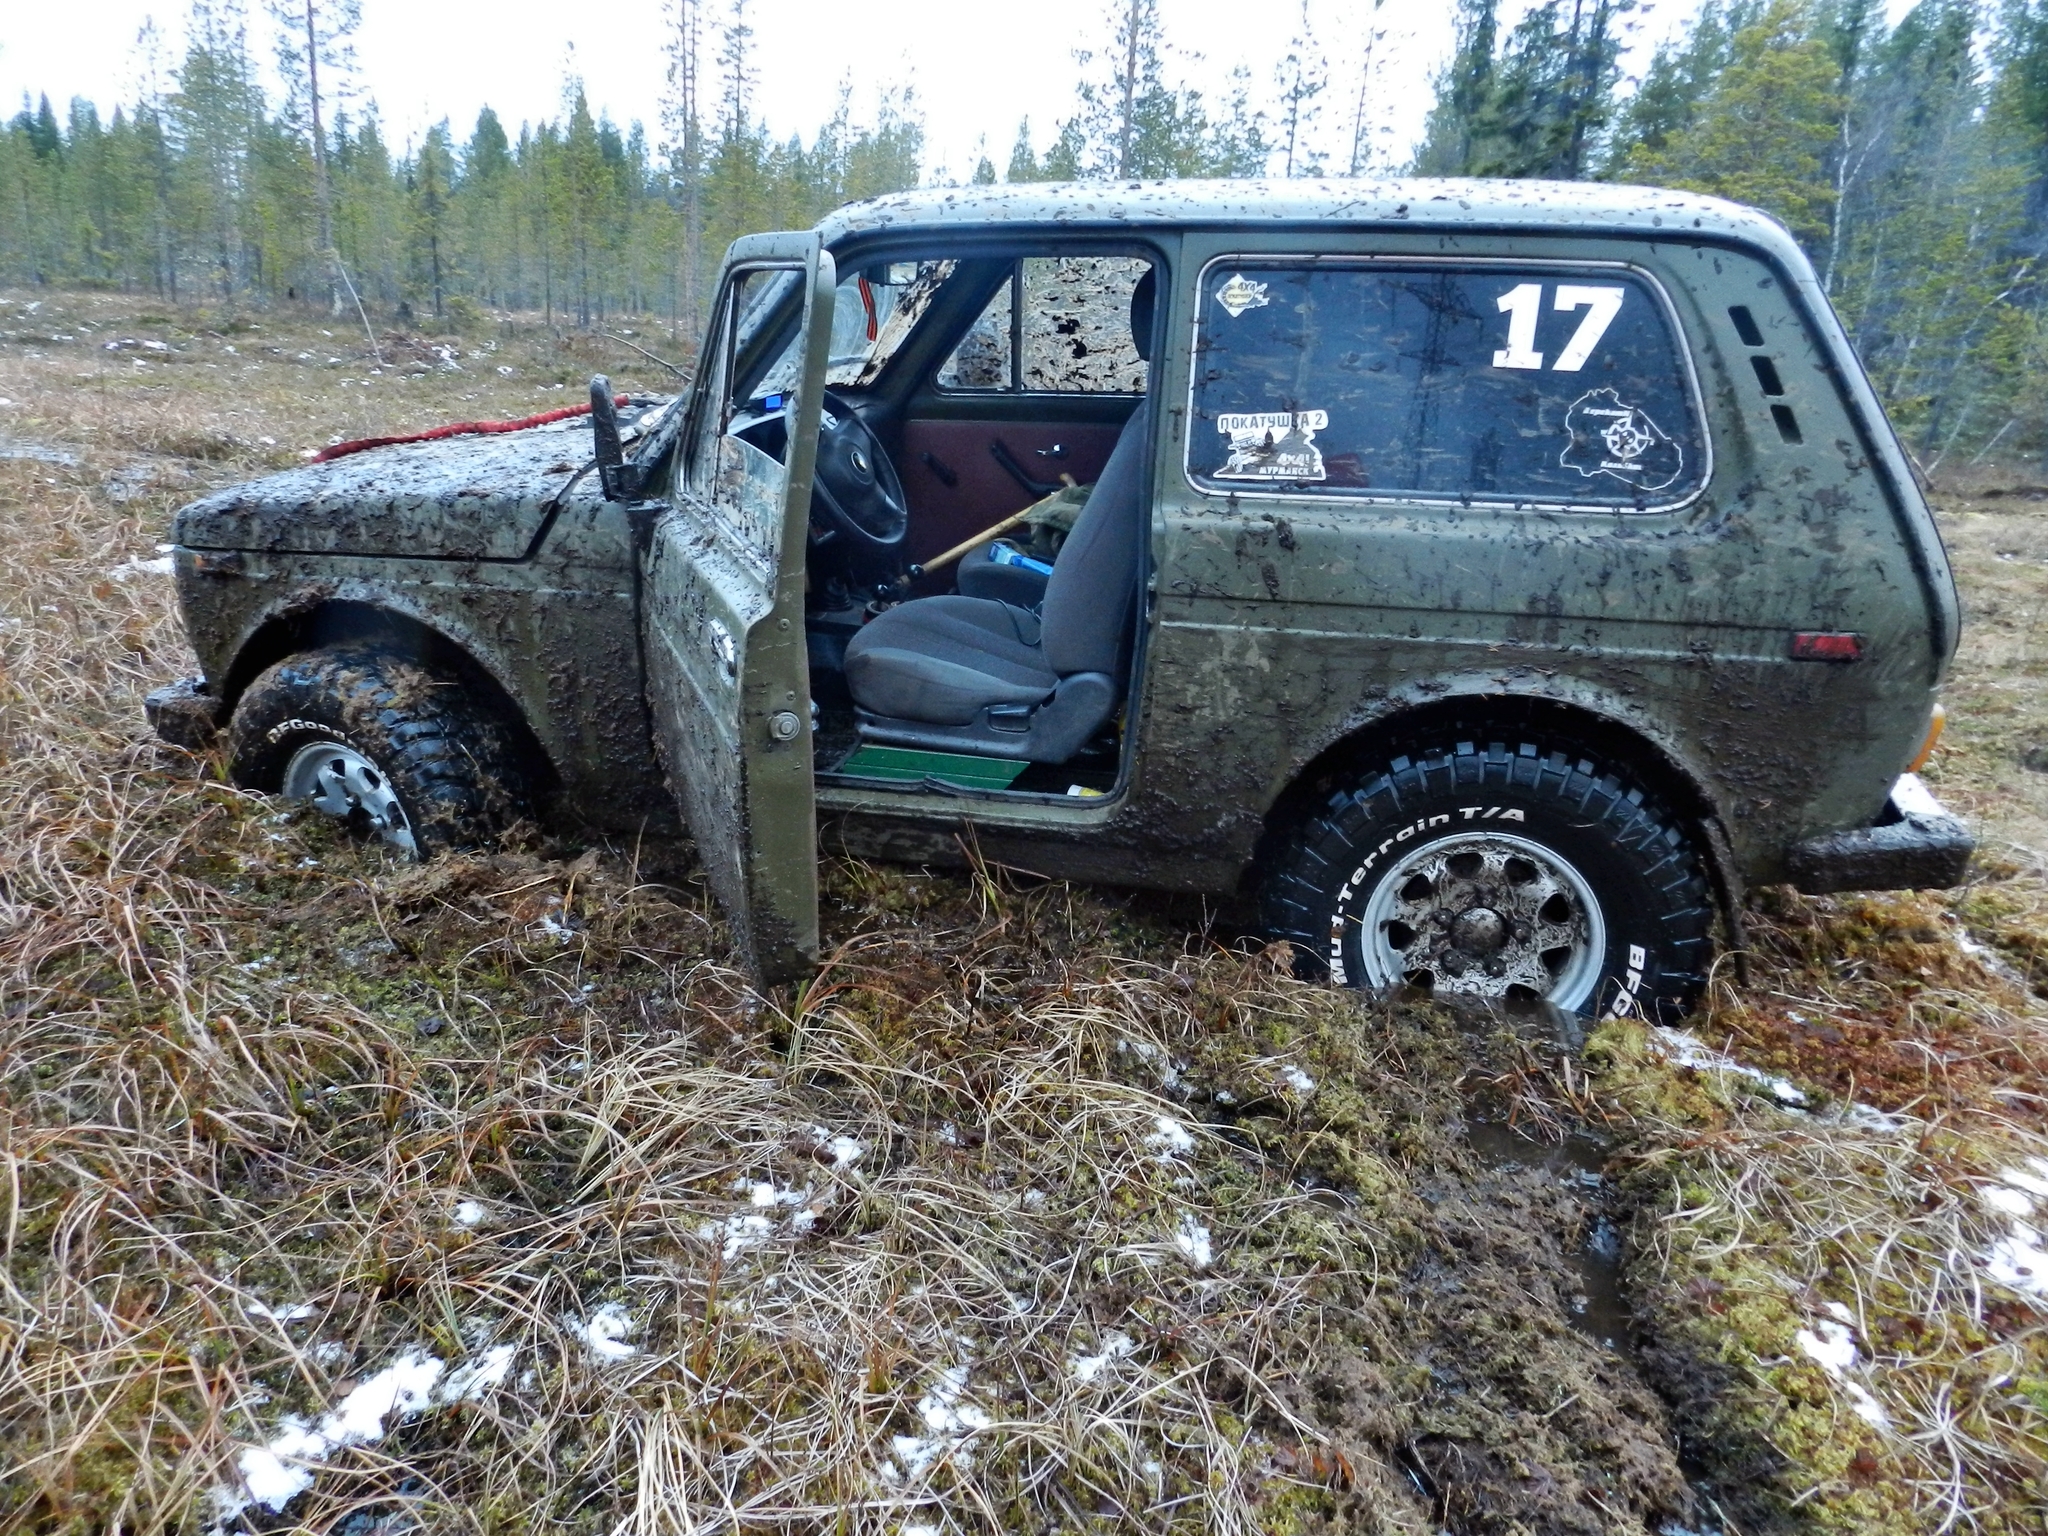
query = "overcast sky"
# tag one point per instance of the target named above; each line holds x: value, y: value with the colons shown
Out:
x: 976, y: 68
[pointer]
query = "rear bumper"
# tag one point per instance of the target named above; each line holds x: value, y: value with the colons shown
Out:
x: 1915, y: 845
x: 183, y: 714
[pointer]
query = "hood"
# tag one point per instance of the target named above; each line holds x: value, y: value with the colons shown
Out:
x: 460, y: 498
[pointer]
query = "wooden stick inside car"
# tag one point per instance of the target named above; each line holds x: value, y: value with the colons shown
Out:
x: 939, y: 562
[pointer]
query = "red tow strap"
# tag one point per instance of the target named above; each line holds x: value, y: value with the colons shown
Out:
x: 454, y: 429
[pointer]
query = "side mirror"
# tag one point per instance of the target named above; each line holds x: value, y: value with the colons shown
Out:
x: 604, y: 432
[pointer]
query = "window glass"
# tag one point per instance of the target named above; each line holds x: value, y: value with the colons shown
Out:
x: 983, y: 358
x: 742, y: 485
x: 1077, y: 324
x: 873, y: 314
x: 1529, y: 386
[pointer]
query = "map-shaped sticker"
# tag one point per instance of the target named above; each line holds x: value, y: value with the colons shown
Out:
x: 1610, y: 438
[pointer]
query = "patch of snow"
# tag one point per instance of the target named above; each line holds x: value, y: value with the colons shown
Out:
x: 1831, y: 1344
x: 1297, y: 1079
x: 35, y: 453
x: 844, y: 1151
x: 275, y: 1473
x: 2020, y: 1258
x: 2033, y: 1178
x: 1154, y: 1057
x: 950, y: 1427
x: 1192, y: 1239
x: 1861, y: 1117
x: 605, y: 1333
x: 298, y: 1311
x: 1169, y: 1139
x: 128, y: 570
x: 2013, y: 1202
x: 470, y: 1213
x: 738, y: 1232
x: 471, y: 1380
x: 1114, y: 1348
x: 1684, y: 1050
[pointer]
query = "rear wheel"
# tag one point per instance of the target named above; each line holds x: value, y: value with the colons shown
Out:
x: 392, y: 750
x: 1521, y: 871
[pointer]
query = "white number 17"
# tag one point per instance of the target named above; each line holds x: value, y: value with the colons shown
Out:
x: 1524, y: 302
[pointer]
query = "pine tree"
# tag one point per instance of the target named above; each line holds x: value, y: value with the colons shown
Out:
x: 212, y: 118
x: 1462, y: 90
x: 314, y: 35
x: 683, y: 125
x: 1361, y: 140
x: 1303, y: 76
x: 1763, y: 131
x: 1023, y: 160
x: 1538, y: 106
x: 1680, y: 76
x: 431, y: 183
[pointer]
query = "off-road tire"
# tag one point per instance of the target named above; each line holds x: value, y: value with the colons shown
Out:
x: 1572, y: 815
x: 448, y: 759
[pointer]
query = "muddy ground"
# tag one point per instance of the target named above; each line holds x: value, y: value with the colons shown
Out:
x: 1040, y: 1209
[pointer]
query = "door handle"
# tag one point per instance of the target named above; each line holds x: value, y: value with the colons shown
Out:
x: 1000, y: 452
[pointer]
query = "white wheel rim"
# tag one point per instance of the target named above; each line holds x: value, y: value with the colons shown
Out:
x: 341, y: 782
x: 1483, y: 914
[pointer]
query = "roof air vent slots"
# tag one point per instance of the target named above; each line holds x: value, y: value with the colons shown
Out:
x: 1745, y: 326
x: 1788, y: 424
x: 1767, y: 375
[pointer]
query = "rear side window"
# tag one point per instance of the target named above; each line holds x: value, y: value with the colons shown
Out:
x: 1538, y: 385
x: 1059, y: 325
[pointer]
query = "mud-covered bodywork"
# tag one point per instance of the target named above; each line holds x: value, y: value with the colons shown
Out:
x: 1758, y: 621
x: 495, y: 555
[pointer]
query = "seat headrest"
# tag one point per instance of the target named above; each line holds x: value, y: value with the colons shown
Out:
x: 1141, y: 313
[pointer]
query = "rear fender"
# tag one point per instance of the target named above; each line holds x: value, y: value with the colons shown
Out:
x: 1566, y: 710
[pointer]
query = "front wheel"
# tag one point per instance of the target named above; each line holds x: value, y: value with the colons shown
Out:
x: 390, y: 749
x: 1512, y: 872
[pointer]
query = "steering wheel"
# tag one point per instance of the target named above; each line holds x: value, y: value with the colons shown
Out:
x: 856, y: 499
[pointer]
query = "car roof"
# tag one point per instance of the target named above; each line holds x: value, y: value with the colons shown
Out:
x: 1548, y: 207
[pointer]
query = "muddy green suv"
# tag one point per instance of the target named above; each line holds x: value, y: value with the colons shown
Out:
x: 1483, y: 580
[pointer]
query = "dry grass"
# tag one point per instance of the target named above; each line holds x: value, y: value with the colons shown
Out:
x: 1139, y: 1232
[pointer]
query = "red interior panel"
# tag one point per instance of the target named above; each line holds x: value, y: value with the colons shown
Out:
x: 983, y: 492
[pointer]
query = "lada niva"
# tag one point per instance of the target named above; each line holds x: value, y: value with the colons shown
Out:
x: 1485, y: 581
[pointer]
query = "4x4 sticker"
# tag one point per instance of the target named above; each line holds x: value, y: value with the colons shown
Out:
x: 1273, y: 445
x: 1610, y: 438
x: 1241, y: 294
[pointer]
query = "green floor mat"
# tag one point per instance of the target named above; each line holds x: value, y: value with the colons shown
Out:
x: 909, y: 766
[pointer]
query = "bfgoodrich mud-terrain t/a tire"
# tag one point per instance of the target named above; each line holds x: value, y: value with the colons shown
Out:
x: 1509, y: 870
x: 381, y: 743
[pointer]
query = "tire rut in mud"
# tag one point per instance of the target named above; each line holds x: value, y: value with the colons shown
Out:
x: 1492, y: 1379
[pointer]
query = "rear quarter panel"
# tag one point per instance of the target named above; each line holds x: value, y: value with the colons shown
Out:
x: 1285, y: 623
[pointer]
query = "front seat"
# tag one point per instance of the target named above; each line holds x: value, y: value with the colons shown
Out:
x: 970, y: 674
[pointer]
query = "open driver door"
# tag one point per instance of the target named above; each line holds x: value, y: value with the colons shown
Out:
x: 723, y: 599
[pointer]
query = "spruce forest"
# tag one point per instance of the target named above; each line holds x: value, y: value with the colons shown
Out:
x: 1910, y: 159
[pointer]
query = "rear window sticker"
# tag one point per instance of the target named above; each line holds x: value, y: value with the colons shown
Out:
x: 1241, y: 294
x: 1604, y: 304
x: 1273, y: 445
x: 1610, y: 438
